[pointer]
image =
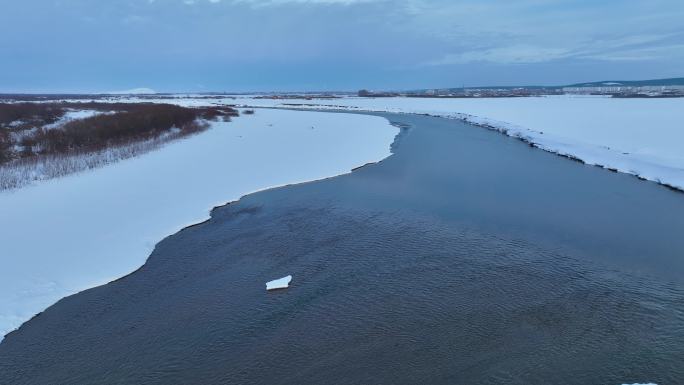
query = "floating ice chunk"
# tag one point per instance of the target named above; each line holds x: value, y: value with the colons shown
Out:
x: 282, y: 283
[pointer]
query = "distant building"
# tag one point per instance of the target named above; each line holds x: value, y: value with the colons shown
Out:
x: 620, y: 89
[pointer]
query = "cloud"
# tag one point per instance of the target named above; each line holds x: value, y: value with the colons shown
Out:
x: 641, y: 54
x: 539, y: 31
x: 134, y: 91
x: 628, y: 48
x: 263, y: 3
x: 134, y: 19
x: 337, y: 43
x: 520, y: 54
x: 266, y: 3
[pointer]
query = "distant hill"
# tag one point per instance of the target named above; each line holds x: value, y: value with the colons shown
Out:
x: 633, y: 83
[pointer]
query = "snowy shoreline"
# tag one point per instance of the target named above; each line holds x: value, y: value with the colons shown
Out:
x: 510, y: 131
x: 583, y: 156
x: 102, y: 224
x: 578, y: 156
x: 657, y: 161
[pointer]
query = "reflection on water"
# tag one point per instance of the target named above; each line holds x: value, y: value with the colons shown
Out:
x: 465, y: 258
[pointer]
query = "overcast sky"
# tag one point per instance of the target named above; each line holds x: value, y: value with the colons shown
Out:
x: 258, y: 45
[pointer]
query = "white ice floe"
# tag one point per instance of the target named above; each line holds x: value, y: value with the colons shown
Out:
x: 68, y: 234
x: 632, y: 135
x: 282, y: 283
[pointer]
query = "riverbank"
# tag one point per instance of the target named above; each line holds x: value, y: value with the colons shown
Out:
x: 633, y: 136
x: 466, y: 257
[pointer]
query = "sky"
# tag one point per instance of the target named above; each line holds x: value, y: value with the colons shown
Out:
x: 334, y: 45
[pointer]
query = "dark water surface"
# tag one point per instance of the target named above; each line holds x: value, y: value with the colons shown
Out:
x: 467, y: 257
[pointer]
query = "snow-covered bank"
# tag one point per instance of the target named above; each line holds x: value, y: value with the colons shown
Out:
x: 642, y: 137
x: 68, y: 234
x: 26, y: 171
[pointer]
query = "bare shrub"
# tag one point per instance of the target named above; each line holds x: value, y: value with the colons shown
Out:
x: 91, y: 142
x: 130, y: 122
x: 5, y: 145
x: 22, y: 172
x: 31, y: 113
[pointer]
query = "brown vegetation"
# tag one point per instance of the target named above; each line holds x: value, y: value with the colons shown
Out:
x: 120, y: 124
x: 4, y: 146
x: 33, y: 148
x: 23, y: 114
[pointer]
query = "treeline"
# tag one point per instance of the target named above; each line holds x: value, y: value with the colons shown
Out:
x: 119, y: 124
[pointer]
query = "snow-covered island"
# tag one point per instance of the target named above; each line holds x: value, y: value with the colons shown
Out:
x: 64, y: 235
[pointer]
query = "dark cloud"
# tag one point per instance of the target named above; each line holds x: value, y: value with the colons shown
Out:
x: 82, y: 45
